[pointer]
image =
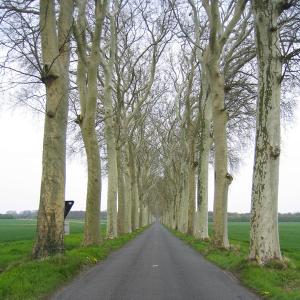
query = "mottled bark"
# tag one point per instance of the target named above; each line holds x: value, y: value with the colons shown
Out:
x: 109, y: 126
x: 191, y: 185
x: 87, y: 70
x: 93, y: 198
x: 144, y: 221
x: 201, y: 216
x: 222, y: 177
x: 212, y: 56
x: 264, y: 240
x: 189, y: 143
x: 55, y: 56
x: 134, y: 191
x: 121, y: 192
x: 183, y: 202
x: 112, y: 190
x: 128, y: 198
x: 177, y: 210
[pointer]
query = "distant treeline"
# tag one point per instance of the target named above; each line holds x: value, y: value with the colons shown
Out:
x: 6, y: 216
x: 26, y: 214
x: 79, y: 215
x: 236, y: 217
x: 32, y: 214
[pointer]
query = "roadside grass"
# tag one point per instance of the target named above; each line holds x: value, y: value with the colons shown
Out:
x: 16, y: 240
x: 23, y: 278
x: 273, y: 281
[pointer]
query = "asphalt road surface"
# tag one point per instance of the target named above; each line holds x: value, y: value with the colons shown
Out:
x: 156, y: 265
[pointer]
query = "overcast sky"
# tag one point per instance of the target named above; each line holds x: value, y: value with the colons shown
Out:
x: 20, y: 168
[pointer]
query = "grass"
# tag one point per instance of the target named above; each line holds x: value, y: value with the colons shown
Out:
x: 16, y: 230
x: 273, y: 281
x: 289, y: 233
x: 24, y: 278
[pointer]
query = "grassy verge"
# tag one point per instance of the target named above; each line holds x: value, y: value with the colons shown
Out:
x: 23, y: 278
x: 271, y: 282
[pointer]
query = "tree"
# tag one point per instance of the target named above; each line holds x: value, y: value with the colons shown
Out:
x: 87, y: 70
x: 264, y: 239
x: 135, y: 72
x: 217, y: 40
x: 109, y: 127
x: 55, y: 46
x: 38, y: 50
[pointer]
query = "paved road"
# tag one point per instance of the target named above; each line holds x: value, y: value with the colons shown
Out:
x: 157, y: 266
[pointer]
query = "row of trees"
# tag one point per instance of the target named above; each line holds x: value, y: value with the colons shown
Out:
x: 155, y: 90
x: 218, y: 87
x: 96, y: 61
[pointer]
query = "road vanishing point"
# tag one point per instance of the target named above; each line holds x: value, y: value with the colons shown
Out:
x: 155, y: 266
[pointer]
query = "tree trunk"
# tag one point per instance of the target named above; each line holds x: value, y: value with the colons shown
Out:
x: 222, y: 177
x: 177, y: 210
x: 140, y: 193
x: 112, y: 190
x: 93, y: 198
x: 87, y: 69
x: 121, y: 192
x: 128, y: 198
x: 55, y: 52
x: 191, y: 186
x: 264, y: 240
x: 144, y: 215
x: 134, y: 191
x: 212, y: 57
x: 137, y: 204
x: 201, y: 217
x: 184, y: 203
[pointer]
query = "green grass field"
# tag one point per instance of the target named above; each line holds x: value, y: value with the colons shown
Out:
x: 289, y: 233
x: 16, y: 230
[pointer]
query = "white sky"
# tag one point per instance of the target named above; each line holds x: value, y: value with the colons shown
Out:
x: 20, y: 169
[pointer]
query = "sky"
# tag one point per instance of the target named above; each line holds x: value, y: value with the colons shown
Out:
x: 21, y: 134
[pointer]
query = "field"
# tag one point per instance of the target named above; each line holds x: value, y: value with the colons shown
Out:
x: 289, y: 233
x: 16, y: 230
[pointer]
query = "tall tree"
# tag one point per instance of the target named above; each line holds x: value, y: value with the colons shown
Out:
x: 109, y: 127
x: 87, y: 70
x: 55, y: 47
x: 264, y: 239
x: 217, y: 40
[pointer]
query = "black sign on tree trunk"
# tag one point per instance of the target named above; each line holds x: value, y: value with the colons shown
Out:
x: 68, y: 206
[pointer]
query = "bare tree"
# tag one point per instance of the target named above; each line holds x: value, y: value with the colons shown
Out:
x: 87, y: 70
x: 55, y: 36
x: 264, y: 239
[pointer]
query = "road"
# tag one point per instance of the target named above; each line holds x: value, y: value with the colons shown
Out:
x: 156, y: 265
